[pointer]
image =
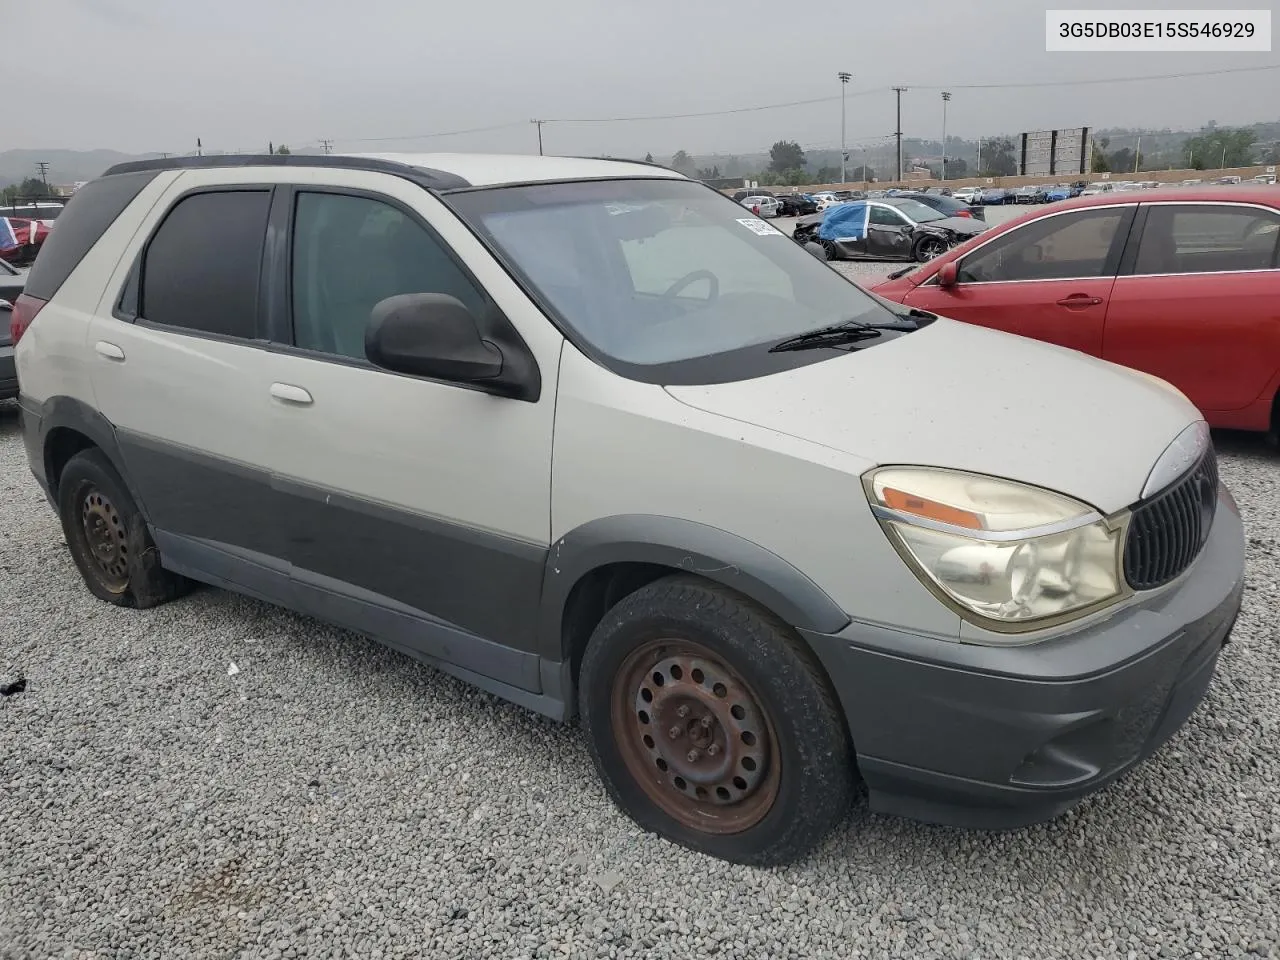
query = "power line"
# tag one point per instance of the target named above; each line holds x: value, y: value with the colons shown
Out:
x: 712, y: 113
x: 1094, y: 80
x: 432, y: 136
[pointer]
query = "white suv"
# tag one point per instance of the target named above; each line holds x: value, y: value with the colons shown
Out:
x: 591, y: 436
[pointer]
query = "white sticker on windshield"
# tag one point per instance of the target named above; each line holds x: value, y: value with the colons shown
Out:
x: 760, y: 228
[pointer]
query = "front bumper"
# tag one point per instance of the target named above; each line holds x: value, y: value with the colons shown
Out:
x: 996, y: 738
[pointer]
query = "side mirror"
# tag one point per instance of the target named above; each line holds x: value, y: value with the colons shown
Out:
x: 948, y: 274
x: 431, y: 335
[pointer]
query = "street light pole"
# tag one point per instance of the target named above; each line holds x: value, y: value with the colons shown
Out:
x: 844, y: 152
x: 946, y: 97
x: 898, y: 134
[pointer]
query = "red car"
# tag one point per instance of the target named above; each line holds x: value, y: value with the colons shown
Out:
x: 21, y: 239
x: 1181, y: 283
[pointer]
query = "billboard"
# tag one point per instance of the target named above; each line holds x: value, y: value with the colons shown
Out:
x: 1049, y: 153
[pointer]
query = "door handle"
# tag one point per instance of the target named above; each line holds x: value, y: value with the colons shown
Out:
x: 1079, y: 300
x: 290, y: 394
x: 108, y: 350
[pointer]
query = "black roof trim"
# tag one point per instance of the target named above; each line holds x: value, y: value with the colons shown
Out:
x: 435, y: 179
x: 643, y: 163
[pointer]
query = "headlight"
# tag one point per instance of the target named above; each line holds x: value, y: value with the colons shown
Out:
x: 1007, y: 556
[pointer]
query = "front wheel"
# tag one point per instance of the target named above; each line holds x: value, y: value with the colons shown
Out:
x: 712, y: 726
x: 929, y: 247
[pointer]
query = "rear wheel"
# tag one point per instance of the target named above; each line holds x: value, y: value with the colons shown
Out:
x: 108, y: 536
x: 711, y: 725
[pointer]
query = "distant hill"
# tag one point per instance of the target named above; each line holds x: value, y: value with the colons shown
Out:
x: 68, y: 166
x: 65, y: 166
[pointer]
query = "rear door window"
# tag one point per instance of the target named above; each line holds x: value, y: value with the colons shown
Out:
x: 1208, y: 238
x: 200, y: 270
x: 1071, y: 246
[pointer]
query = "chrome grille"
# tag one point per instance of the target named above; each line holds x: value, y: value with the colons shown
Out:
x: 1166, y: 531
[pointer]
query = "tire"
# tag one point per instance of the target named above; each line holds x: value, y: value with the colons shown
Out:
x: 783, y: 775
x: 928, y: 248
x: 829, y: 248
x: 108, y: 536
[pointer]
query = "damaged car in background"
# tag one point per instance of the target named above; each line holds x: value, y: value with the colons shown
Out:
x: 895, y: 228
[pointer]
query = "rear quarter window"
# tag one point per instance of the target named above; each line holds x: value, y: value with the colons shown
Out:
x: 87, y: 215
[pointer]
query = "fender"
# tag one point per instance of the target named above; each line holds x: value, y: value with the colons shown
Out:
x: 41, y: 419
x: 687, y: 546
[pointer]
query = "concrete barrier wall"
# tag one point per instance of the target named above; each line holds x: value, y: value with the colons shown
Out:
x: 1162, y: 176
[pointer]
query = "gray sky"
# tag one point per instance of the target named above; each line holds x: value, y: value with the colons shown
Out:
x: 142, y: 75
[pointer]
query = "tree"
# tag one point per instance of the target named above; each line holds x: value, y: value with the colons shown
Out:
x: 956, y: 168
x: 827, y: 174
x: 998, y: 158
x: 862, y: 173
x: 709, y: 173
x: 785, y: 155
x: 1222, y: 147
x: 648, y: 158
x: 681, y: 162
x: 30, y: 188
x: 283, y: 151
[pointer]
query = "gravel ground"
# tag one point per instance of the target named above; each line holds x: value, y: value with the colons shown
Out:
x: 327, y: 797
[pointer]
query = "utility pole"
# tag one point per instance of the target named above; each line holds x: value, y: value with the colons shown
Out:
x: 946, y: 98
x: 538, y: 124
x: 1137, y: 154
x: 845, y: 77
x: 1223, y: 165
x: 979, y: 170
x: 328, y: 146
x: 199, y: 148
x: 44, y: 173
x: 898, y: 132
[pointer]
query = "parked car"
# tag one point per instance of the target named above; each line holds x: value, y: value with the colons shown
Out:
x: 1265, y: 178
x: 1025, y: 194
x: 741, y: 195
x: 12, y: 280
x: 796, y: 205
x: 948, y: 206
x: 21, y: 239
x: 988, y: 589
x: 944, y: 191
x: 995, y: 196
x: 1189, y: 254
x: 1056, y: 192
x: 45, y: 211
x: 895, y: 228
x: 1096, y: 189
x: 763, y: 206
x: 1228, y: 181
x: 968, y: 194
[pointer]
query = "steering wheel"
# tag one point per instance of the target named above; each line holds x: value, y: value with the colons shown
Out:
x: 694, y: 277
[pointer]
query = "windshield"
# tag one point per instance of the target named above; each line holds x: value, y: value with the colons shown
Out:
x: 917, y: 211
x: 663, y: 272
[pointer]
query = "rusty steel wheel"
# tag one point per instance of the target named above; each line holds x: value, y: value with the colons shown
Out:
x: 695, y: 737
x: 106, y: 538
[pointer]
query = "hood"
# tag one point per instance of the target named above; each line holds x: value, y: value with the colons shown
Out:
x: 964, y: 226
x: 960, y: 396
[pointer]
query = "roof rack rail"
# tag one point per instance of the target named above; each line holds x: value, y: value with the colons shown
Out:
x: 434, y: 179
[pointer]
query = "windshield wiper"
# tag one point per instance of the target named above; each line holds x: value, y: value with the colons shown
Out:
x: 849, y: 331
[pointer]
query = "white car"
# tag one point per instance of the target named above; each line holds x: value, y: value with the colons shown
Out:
x: 587, y: 436
x: 1096, y: 188
x: 969, y: 195
x: 763, y: 206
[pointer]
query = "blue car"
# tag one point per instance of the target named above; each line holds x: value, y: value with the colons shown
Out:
x: 992, y: 196
x: 1056, y: 193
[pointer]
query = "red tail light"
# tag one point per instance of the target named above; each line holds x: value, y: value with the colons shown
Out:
x: 963, y: 213
x: 24, y: 314
x: 756, y: 209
